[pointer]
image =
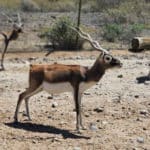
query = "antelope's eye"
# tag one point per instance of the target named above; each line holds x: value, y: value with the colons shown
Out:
x: 107, y: 58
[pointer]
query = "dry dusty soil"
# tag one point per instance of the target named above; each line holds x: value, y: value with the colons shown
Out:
x: 116, y: 111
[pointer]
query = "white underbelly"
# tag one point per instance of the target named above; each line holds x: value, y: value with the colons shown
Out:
x: 86, y: 85
x: 57, y: 87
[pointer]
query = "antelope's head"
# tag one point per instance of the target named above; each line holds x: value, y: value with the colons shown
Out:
x: 108, y: 61
x: 17, y: 26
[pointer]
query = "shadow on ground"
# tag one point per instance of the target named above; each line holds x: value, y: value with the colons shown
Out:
x: 45, y: 129
x: 142, y: 79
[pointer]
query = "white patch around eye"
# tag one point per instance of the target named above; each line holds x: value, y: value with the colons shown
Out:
x: 107, y: 58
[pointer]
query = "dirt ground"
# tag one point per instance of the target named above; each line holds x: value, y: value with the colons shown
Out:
x: 116, y: 111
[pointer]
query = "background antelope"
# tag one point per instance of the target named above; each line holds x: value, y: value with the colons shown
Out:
x: 57, y: 78
x: 13, y: 35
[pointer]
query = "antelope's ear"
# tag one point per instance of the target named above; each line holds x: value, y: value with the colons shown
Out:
x: 22, y: 25
x: 102, y: 54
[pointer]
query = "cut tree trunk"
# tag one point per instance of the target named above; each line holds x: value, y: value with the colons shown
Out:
x: 140, y: 43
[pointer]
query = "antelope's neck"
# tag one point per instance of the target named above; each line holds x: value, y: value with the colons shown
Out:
x: 95, y: 72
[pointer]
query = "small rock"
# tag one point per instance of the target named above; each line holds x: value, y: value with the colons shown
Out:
x: 54, y: 104
x: 78, y: 57
x: 139, y: 63
x: 18, y: 91
x: 62, y: 114
x: 98, y: 110
x: 143, y: 112
x: 50, y: 97
x: 33, y: 141
x: 140, y: 140
x: 147, y: 82
x: 138, y: 119
x: 123, y: 107
x: 136, y: 96
x: 62, y: 123
x: 76, y: 148
x: 32, y: 58
x: 45, y: 59
x: 120, y: 76
x: 104, y: 122
x: 87, y: 115
x: 125, y: 57
x: 93, y: 127
x: 87, y: 93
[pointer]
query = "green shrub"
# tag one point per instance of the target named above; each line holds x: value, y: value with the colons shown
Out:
x: 130, y: 31
x: 61, y: 36
x: 10, y: 4
x: 123, y: 32
x: 137, y: 28
x: 112, y: 32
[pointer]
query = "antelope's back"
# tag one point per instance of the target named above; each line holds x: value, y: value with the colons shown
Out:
x: 55, y: 73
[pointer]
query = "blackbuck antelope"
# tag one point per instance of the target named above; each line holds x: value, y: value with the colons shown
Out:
x: 57, y: 78
x: 10, y: 36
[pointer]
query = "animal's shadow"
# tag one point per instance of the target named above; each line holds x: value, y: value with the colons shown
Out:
x: 45, y: 129
x: 142, y: 79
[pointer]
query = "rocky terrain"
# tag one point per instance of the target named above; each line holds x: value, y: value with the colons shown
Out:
x: 116, y: 111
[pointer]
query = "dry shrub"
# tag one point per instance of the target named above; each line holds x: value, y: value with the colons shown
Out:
x: 29, y: 5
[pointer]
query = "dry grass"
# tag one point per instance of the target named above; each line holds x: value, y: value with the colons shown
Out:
x: 70, y: 5
x: 46, y: 5
x: 11, y: 4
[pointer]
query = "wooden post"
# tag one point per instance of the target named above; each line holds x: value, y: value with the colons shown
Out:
x: 78, y: 21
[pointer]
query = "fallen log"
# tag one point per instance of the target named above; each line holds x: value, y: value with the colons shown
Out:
x: 139, y: 44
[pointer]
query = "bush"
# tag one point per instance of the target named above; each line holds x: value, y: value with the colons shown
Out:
x: 112, y: 32
x: 137, y: 28
x: 29, y: 5
x: 61, y: 36
x: 130, y: 31
x: 123, y: 32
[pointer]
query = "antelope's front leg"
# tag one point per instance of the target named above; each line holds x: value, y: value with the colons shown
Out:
x: 77, y: 99
x: 27, y: 108
x: 77, y: 107
x: 80, y: 111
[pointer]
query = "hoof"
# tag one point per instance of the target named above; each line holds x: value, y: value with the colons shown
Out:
x: 28, y: 120
x: 83, y: 128
x: 78, y: 131
x: 80, y: 128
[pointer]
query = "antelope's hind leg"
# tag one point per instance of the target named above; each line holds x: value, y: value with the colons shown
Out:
x: 25, y: 95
